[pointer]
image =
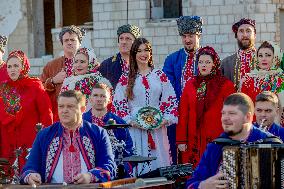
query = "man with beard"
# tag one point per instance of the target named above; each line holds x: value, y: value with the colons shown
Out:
x: 234, y: 67
x: 113, y: 67
x: 181, y: 65
x: 237, y: 116
x: 56, y: 70
x: 267, y: 112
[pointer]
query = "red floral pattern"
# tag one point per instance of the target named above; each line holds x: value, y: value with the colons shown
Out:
x: 123, y: 80
x: 124, y: 66
x: 11, y: 99
x: 145, y: 82
x: 253, y: 84
x: 156, y: 78
x: 188, y: 69
x: 71, y: 158
x: 246, y: 61
x: 98, y: 120
x: 68, y: 66
x: 164, y: 78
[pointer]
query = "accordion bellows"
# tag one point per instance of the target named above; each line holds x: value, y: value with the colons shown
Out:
x: 258, y: 166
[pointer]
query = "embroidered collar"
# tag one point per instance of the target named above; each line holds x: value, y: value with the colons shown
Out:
x: 99, y: 121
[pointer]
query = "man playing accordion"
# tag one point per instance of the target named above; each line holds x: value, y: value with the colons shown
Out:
x: 237, y: 116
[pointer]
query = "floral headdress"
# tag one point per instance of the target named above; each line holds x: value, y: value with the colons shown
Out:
x: 24, y: 60
x: 216, y: 59
x: 92, y: 58
x: 277, y: 58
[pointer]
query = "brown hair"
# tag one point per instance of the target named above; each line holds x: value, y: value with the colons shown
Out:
x: 265, y: 44
x: 242, y: 100
x: 102, y: 86
x: 268, y: 96
x: 80, y: 97
x: 133, y: 64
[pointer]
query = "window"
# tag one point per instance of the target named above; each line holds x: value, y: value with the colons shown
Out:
x: 165, y: 9
x: 76, y: 12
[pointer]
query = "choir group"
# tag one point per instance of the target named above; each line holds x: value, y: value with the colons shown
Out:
x: 193, y: 100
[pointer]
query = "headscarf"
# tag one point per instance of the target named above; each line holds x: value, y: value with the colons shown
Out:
x: 216, y: 69
x: 189, y: 24
x: 92, y: 59
x: 249, y: 21
x: 24, y: 60
x: 11, y: 89
x: 277, y: 58
x: 208, y: 87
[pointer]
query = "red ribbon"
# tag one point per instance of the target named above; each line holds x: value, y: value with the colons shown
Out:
x: 71, y: 147
x: 151, y: 141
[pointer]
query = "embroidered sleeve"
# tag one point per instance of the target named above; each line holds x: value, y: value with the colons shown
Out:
x: 120, y: 102
x: 33, y: 164
x: 100, y: 175
x: 168, y: 69
x: 105, y: 166
x: 168, y: 103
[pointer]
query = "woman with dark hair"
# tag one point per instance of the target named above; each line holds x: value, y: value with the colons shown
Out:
x: 23, y: 103
x: 267, y: 75
x: 145, y: 87
x: 200, y: 107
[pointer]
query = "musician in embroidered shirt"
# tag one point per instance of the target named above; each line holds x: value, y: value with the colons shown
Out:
x: 266, y: 112
x: 72, y: 150
x: 100, y: 98
x: 237, y: 116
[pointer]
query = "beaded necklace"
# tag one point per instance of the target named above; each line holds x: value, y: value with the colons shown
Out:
x: 244, y: 64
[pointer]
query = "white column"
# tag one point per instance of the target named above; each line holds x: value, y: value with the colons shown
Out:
x: 58, y: 13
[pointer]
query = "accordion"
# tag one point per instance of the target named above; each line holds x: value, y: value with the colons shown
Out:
x: 257, y: 166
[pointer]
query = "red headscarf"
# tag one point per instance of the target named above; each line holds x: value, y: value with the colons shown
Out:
x: 208, y: 87
x: 24, y: 78
x: 24, y: 60
x: 12, y: 89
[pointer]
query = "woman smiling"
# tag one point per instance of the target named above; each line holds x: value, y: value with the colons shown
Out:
x: 85, y: 74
